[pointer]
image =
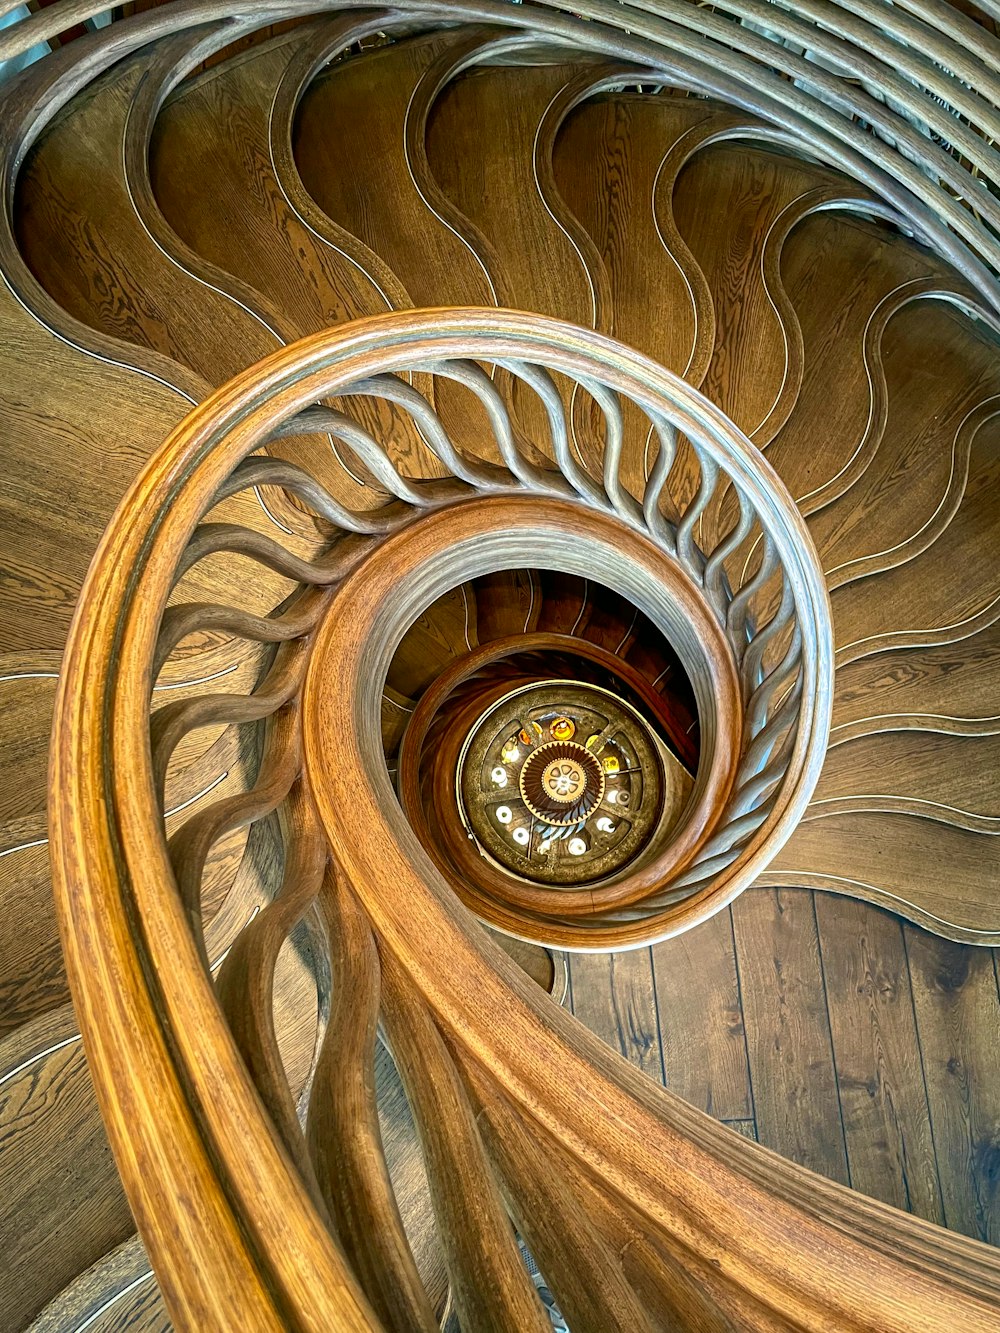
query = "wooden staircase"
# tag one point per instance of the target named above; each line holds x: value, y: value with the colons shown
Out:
x: 327, y: 1094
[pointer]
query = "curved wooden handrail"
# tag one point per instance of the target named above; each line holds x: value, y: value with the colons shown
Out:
x: 242, y: 1215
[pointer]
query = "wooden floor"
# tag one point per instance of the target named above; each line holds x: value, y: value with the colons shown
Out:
x: 832, y: 1032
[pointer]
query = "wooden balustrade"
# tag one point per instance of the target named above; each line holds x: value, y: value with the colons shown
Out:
x: 640, y: 1211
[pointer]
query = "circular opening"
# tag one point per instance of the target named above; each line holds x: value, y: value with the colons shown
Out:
x: 568, y: 753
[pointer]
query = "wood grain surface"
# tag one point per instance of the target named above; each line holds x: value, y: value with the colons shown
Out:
x: 186, y: 198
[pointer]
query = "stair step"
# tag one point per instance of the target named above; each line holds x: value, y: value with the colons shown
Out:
x: 946, y: 592
x: 940, y: 378
x: 953, y: 779
x: 948, y: 687
x: 483, y: 147
x: 118, y: 1292
x: 61, y: 1202
x: 350, y: 148
x: 939, y: 876
x: 606, y: 162
x: 506, y: 603
x: 226, y: 126
x: 844, y: 278
x: 82, y: 235
x: 731, y: 203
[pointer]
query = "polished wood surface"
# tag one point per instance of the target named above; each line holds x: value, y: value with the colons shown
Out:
x: 164, y: 238
x: 831, y: 1033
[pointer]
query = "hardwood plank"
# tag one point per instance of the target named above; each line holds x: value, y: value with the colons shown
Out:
x: 958, y: 1018
x: 788, y: 1030
x: 880, y: 1078
x: 747, y: 1128
x: 701, y: 1019
x: 615, y: 997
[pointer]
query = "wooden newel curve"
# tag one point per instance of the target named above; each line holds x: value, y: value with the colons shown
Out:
x: 251, y: 1219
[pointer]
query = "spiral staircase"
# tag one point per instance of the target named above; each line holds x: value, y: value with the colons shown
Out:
x: 544, y: 642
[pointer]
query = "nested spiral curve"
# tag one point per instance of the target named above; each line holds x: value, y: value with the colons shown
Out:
x: 714, y: 553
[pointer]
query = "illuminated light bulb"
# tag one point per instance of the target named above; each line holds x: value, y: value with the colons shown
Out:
x: 510, y: 754
x: 504, y: 814
x: 605, y: 824
x: 576, y: 846
x: 545, y: 846
x: 613, y: 796
x: 499, y: 776
x: 521, y: 836
x: 562, y: 729
x: 610, y: 763
x: 592, y: 739
x: 524, y: 736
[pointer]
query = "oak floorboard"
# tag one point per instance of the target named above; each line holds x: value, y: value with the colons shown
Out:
x: 792, y: 1070
x: 748, y: 1128
x: 701, y: 1019
x: 958, y: 1018
x: 615, y: 997
x: 883, y: 1100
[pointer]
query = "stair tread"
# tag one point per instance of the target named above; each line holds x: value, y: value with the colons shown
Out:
x: 101, y: 422
x: 838, y: 271
x: 606, y: 160
x: 947, y: 591
x: 361, y: 178
x: 225, y: 126
x: 83, y: 237
x: 937, y: 372
x: 505, y: 603
x: 727, y: 203
x: 482, y: 149
x: 939, y: 876
x: 955, y: 779
x: 118, y: 1292
x: 947, y: 687
x: 61, y: 1201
